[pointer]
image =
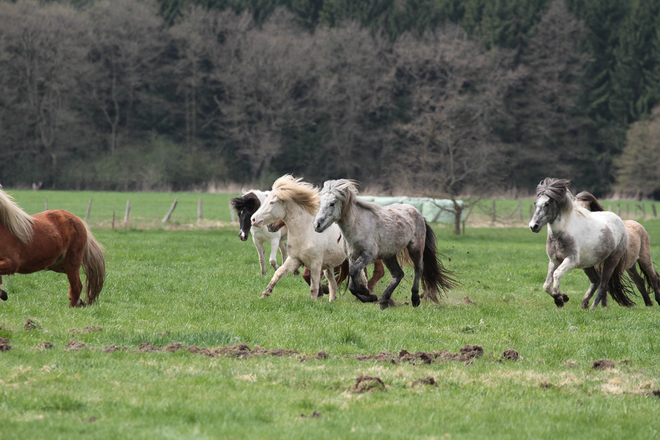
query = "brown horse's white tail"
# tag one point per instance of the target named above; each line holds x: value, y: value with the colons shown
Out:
x: 94, y: 267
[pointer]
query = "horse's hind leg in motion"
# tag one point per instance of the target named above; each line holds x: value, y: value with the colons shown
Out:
x: 3, y: 293
x: 646, y: 265
x: 639, y: 282
x: 396, y: 272
x: 594, y: 282
x: 355, y: 273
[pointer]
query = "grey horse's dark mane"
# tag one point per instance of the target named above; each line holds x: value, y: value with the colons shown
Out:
x: 594, y: 204
x: 555, y: 189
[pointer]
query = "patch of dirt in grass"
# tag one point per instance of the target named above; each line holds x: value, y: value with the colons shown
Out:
x: 510, y: 355
x: 603, y: 364
x: 423, y: 382
x: 368, y: 384
x: 655, y: 393
x: 93, y: 328
x: 113, y: 348
x: 4, y: 345
x: 75, y: 345
x: 467, y: 353
x: 314, y: 415
x: 147, y: 347
x: 45, y: 346
x: 570, y: 363
x: 31, y: 324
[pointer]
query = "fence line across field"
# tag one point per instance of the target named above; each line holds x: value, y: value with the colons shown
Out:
x: 434, y: 210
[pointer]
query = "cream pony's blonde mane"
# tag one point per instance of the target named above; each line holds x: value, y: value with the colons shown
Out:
x: 15, y: 219
x: 289, y: 189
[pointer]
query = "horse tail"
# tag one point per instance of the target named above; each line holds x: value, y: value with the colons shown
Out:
x: 620, y: 287
x: 342, y: 274
x: 94, y: 267
x: 435, y: 277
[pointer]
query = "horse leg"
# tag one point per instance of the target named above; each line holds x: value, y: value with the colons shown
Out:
x: 283, y: 250
x: 646, y: 265
x: 378, y: 273
x: 567, y: 265
x: 639, y: 282
x: 289, y: 266
x: 3, y: 293
x: 262, y: 254
x: 594, y: 281
x: 72, y: 263
x: 396, y: 272
x: 608, y: 269
x: 307, y: 276
x: 359, y: 290
x: 274, y: 245
x: 332, y: 283
x: 315, y: 279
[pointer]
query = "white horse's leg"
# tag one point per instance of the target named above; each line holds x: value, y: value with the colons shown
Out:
x: 332, y: 283
x: 594, y: 280
x: 274, y: 245
x: 547, y: 285
x: 566, y: 266
x: 289, y: 266
x: 282, y: 246
x: 314, y: 279
x: 262, y: 254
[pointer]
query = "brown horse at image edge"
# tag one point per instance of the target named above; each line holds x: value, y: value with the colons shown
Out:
x: 53, y: 240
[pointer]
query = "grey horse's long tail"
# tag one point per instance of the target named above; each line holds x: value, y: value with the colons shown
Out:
x: 620, y: 287
x: 435, y: 277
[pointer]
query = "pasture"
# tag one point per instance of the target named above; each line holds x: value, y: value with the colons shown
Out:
x: 200, y: 286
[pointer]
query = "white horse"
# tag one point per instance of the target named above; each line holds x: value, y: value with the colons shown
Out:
x: 580, y: 239
x: 295, y: 202
x: 245, y: 206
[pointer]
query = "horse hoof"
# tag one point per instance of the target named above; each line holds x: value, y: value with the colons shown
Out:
x: 564, y: 297
x: 559, y: 302
x: 265, y: 295
x: 3, y: 295
x: 384, y: 305
x: 416, y: 302
x: 585, y: 304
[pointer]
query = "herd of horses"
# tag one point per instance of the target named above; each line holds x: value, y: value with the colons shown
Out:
x: 331, y: 231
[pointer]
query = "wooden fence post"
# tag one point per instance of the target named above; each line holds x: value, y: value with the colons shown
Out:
x: 200, y: 214
x: 233, y: 213
x: 113, y: 219
x: 46, y: 205
x: 655, y: 213
x: 494, y: 213
x: 128, y: 210
x: 618, y: 209
x: 169, y: 213
x: 520, y: 210
x: 89, y: 209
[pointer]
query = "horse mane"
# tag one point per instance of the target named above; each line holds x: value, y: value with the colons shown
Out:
x: 247, y: 201
x: 555, y: 189
x: 290, y: 189
x: 594, y: 205
x: 346, y: 191
x: 15, y: 219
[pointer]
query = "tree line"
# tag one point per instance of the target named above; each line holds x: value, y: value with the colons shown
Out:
x: 432, y: 97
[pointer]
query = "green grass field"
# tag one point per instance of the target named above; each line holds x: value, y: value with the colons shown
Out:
x: 200, y: 286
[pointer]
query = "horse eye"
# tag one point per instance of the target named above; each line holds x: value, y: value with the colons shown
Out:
x: 332, y: 204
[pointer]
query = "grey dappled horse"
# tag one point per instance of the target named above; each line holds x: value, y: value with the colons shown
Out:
x: 373, y: 232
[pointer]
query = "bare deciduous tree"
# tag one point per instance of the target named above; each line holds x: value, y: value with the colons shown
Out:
x: 457, y: 91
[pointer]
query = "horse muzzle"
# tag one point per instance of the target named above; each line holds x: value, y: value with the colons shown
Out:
x: 535, y: 227
x: 243, y: 236
x: 319, y: 227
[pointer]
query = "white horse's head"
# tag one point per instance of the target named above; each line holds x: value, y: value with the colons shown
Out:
x: 552, y: 197
x: 335, y: 196
x: 271, y: 210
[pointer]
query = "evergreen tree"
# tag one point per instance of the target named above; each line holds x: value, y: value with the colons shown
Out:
x: 635, y: 77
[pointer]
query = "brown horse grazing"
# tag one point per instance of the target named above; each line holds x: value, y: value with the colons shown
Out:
x: 52, y: 240
x: 638, y: 251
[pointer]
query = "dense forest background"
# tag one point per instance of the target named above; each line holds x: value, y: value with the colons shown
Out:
x: 433, y: 97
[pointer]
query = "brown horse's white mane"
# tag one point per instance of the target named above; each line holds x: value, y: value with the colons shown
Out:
x: 15, y: 219
x: 289, y: 189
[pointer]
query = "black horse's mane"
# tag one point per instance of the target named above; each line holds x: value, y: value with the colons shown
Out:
x: 248, y: 201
